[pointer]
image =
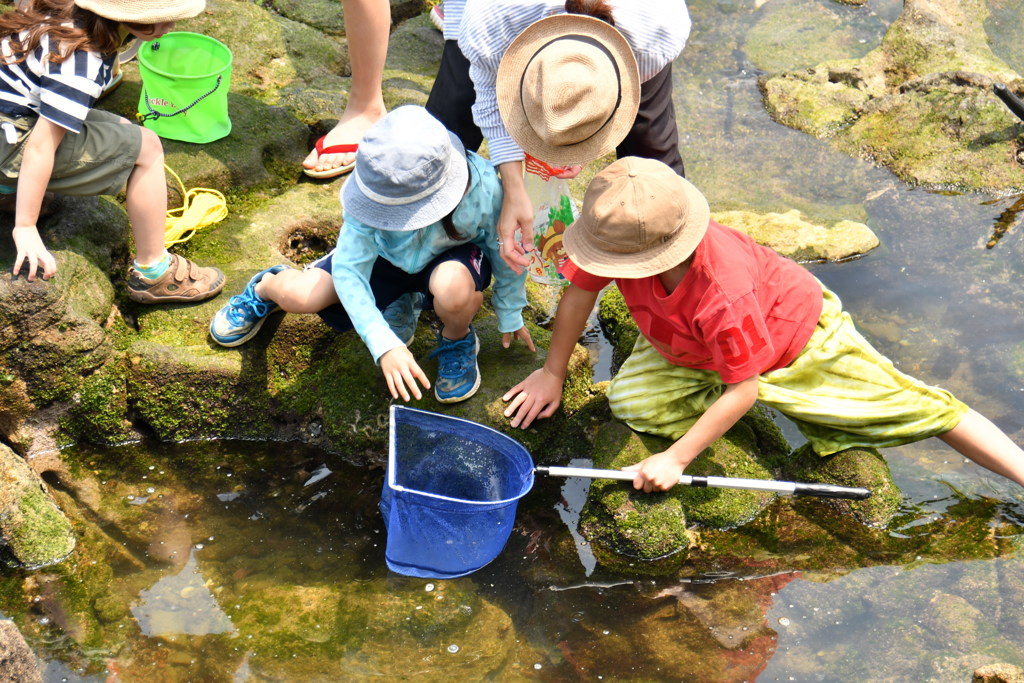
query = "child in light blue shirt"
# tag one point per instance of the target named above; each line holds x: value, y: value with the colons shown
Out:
x: 420, y: 218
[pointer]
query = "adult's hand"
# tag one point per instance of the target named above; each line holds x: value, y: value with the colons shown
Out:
x: 568, y: 172
x: 516, y: 217
x: 401, y: 372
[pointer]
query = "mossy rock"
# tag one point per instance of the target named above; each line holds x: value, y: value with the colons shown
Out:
x: 33, y: 530
x: 792, y: 235
x: 629, y: 528
x: 617, y: 325
x: 856, y: 467
x: 919, y: 104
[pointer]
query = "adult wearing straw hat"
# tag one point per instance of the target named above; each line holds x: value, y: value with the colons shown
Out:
x: 564, y: 82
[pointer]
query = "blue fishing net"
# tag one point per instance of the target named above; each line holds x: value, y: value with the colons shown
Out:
x: 450, y: 493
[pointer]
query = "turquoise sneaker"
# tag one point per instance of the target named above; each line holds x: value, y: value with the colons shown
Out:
x: 243, y: 316
x: 458, y: 376
x: 403, y: 314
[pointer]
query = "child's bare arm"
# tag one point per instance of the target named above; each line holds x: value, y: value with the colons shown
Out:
x: 34, y: 176
x: 540, y: 394
x: 661, y: 471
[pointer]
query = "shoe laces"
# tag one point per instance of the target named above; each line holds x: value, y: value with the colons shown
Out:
x: 245, y: 306
x: 453, y: 356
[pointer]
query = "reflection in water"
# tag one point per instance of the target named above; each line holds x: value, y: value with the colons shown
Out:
x: 574, y: 496
x: 181, y: 604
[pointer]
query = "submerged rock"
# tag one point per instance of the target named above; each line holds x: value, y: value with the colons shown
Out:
x: 920, y: 104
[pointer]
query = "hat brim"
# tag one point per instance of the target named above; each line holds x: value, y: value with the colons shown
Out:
x: 650, y: 261
x: 510, y: 75
x: 144, y: 11
x: 415, y: 215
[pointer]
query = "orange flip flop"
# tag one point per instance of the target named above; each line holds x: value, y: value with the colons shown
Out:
x: 333, y: 149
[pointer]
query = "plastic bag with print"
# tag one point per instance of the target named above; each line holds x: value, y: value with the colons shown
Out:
x: 553, y: 210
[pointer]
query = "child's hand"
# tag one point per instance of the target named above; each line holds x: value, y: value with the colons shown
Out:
x: 31, y: 252
x: 401, y: 372
x: 539, y: 395
x: 521, y: 334
x: 658, y: 472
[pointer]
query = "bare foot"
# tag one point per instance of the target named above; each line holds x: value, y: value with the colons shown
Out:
x: 349, y: 130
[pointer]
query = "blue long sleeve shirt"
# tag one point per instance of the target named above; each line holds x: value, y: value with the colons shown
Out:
x: 475, y: 218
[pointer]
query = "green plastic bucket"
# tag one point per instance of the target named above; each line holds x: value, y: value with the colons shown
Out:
x: 185, y: 81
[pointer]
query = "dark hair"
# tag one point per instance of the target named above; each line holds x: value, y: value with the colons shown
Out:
x: 599, y: 9
x: 38, y: 18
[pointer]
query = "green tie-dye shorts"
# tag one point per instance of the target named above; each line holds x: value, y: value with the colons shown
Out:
x: 839, y: 391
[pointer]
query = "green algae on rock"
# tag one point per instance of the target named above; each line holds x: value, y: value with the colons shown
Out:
x: 33, y: 530
x: 862, y: 467
x: 647, y: 532
x: 920, y: 104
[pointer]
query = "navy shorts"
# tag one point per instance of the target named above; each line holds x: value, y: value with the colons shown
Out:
x: 388, y: 282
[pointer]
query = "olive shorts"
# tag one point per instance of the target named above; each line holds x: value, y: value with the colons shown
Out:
x: 840, y: 392
x: 98, y: 160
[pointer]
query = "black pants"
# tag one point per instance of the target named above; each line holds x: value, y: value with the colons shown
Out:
x: 452, y: 96
x: 654, y: 134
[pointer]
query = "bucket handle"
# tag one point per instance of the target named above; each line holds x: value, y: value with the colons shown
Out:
x: 155, y: 114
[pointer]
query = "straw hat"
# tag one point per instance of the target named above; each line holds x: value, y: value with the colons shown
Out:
x: 143, y: 11
x: 568, y: 88
x: 639, y: 219
x: 410, y: 172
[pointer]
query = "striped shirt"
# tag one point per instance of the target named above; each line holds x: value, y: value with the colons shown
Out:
x: 656, y: 30
x: 62, y: 93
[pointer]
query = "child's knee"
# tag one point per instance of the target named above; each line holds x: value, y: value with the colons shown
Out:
x: 152, y: 148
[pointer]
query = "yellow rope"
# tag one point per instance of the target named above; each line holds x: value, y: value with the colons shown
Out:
x: 200, y: 207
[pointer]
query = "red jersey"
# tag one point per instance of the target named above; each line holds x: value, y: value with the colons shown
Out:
x: 740, y: 310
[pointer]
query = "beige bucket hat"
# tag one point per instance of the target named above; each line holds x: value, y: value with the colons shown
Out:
x: 143, y: 11
x: 568, y: 89
x: 639, y: 219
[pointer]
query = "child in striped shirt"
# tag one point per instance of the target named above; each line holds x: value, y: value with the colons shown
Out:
x: 56, y: 58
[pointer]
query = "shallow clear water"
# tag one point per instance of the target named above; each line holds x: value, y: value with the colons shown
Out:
x: 275, y: 570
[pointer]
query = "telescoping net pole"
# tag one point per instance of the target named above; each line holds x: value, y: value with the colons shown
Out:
x: 784, y: 487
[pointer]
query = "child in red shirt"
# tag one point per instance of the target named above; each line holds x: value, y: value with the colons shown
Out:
x: 726, y: 322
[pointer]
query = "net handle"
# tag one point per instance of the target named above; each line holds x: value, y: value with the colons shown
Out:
x: 789, y: 488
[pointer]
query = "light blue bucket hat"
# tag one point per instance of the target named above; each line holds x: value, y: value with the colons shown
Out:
x: 410, y: 172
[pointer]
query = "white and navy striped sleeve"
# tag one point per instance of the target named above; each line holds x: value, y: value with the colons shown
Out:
x: 68, y: 90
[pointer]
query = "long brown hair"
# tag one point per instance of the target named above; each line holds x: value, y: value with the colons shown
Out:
x: 599, y: 9
x: 88, y: 31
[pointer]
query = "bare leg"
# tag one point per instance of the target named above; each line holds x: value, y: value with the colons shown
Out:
x: 367, y: 27
x: 298, y: 291
x: 456, y: 300
x: 984, y: 443
x: 146, y: 197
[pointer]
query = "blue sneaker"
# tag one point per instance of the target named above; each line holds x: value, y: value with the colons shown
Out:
x: 403, y: 314
x: 458, y: 376
x: 242, y: 317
